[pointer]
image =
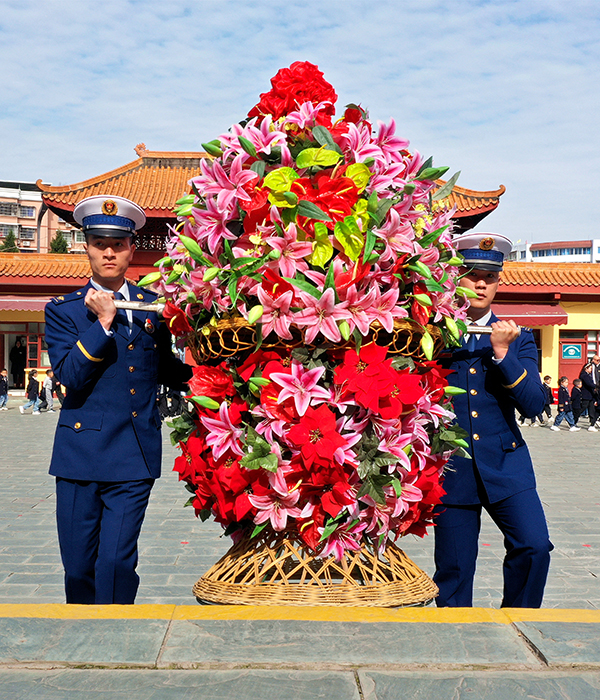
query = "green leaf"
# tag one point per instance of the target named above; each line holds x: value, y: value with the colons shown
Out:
x: 321, y: 157
x: 323, y: 137
x: 150, y: 278
x: 329, y: 280
x: 349, y: 235
x: 433, y: 286
x: 446, y: 189
x: 305, y: 286
x: 258, y: 167
x: 322, y: 248
x: 331, y: 527
x: 369, y: 245
x: 430, y: 238
x: 248, y: 146
x: 373, y: 486
x: 258, y: 529
x: 311, y: 211
x: 427, y: 164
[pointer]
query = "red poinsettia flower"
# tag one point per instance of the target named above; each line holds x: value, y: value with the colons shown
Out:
x: 214, y: 382
x: 176, y: 320
x: 256, y: 360
x: 404, y: 394
x: 368, y: 375
x: 301, y: 82
x: 316, y: 435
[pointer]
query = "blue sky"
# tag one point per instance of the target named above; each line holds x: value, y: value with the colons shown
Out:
x: 505, y: 91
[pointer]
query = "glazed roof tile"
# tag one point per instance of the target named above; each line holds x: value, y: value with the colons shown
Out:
x: 42, y: 265
x: 566, y: 275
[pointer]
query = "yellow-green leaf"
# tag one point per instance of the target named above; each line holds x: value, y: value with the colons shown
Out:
x: 280, y: 180
x: 322, y: 247
x: 359, y: 174
x: 322, y: 157
x: 349, y: 235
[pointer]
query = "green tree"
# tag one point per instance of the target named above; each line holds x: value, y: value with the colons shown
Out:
x: 9, y: 244
x: 59, y: 243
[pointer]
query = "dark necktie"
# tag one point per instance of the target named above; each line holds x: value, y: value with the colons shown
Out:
x: 121, y: 316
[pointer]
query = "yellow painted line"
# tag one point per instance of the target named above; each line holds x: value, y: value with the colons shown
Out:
x: 339, y: 614
x: 59, y: 611
x: 552, y: 615
x: 453, y: 616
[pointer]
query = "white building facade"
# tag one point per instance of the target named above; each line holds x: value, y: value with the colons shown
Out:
x: 557, y: 251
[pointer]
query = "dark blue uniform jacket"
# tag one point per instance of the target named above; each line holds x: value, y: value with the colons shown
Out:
x: 500, y: 466
x: 109, y: 425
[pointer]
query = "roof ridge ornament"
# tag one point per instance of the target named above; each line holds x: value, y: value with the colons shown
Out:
x: 141, y: 150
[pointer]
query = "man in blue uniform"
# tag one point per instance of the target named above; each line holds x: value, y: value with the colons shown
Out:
x: 499, y: 373
x: 107, y: 447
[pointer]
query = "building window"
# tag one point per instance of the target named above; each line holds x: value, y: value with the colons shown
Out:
x: 5, y: 229
x: 8, y: 209
x: 27, y: 212
x: 79, y: 237
x: 26, y: 234
x: 523, y: 254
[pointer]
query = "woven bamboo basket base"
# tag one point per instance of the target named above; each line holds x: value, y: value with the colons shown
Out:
x: 234, y: 336
x: 280, y: 570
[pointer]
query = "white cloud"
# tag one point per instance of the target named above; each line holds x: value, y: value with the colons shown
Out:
x: 505, y: 91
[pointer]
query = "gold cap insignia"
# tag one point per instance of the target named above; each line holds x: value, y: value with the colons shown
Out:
x: 109, y: 207
x: 486, y: 243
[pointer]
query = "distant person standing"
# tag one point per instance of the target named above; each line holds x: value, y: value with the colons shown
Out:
x: 18, y: 362
x: 3, y: 390
x: 48, y: 388
x: 589, y: 394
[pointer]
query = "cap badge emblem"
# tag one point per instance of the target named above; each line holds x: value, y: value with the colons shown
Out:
x: 109, y: 207
x: 486, y: 243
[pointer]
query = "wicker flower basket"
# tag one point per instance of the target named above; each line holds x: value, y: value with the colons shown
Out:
x: 234, y: 336
x: 280, y: 570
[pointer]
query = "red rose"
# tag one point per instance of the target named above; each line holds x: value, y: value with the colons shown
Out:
x: 301, y: 82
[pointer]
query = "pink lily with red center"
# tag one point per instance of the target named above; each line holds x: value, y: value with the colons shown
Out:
x: 222, y: 435
x: 358, y: 141
x: 342, y: 540
x: 212, y: 224
x: 359, y: 305
x: 321, y: 316
x: 278, y: 504
x: 397, y: 234
x: 263, y: 138
x: 276, y: 313
x: 390, y: 144
x: 292, y: 251
x: 301, y: 385
x: 384, y: 309
x: 228, y: 187
x: 306, y: 115
x: 395, y: 442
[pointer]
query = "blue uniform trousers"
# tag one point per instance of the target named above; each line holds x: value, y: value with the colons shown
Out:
x: 521, y: 520
x: 98, y: 528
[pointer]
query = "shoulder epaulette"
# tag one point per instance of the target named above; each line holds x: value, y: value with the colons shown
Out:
x: 73, y: 296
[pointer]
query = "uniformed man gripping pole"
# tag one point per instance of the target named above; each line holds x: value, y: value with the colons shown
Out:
x: 107, y: 447
x: 499, y: 372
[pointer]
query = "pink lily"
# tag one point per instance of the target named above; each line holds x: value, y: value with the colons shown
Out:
x: 320, y: 316
x: 359, y: 305
x: 222, y: 435
x: 228, y: 188
x: 343, y: 540
x: 301, y: 385
x: 292, y: 251
x: 276, y: 313
x: 278, y: 505
x: 384, y: 308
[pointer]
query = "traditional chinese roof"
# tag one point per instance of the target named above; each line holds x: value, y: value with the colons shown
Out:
x: 157, y: 179
x: 549, y: 281
x: 44, y: 265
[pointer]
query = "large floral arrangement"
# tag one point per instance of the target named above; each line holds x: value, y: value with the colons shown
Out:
x: 303, y: 225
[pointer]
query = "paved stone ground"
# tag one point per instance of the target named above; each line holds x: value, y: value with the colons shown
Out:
x: 176, y: 548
